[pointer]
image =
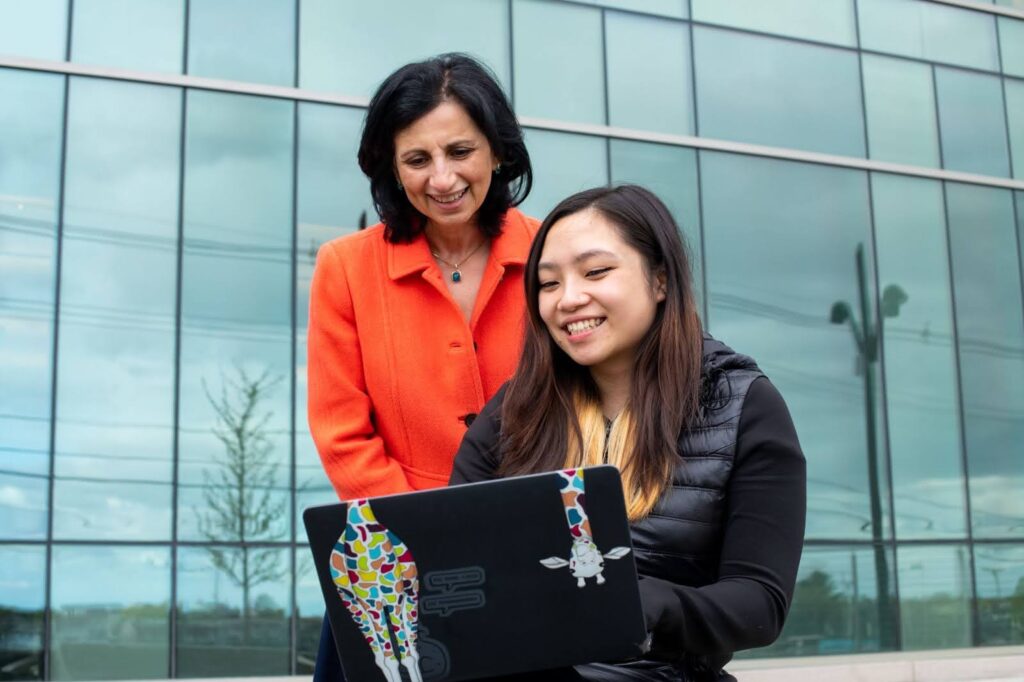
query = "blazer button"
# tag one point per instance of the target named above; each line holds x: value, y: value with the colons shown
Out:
x: 469, y: 418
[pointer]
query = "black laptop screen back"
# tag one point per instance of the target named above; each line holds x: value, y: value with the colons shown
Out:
x: 479, y: 580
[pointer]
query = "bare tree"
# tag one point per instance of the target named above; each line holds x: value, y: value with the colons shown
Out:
x: 238, y: 492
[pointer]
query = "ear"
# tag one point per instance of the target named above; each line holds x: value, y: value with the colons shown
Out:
x: 660, y: 286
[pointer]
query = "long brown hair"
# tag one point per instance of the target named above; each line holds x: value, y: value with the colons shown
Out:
x: 550, y: 395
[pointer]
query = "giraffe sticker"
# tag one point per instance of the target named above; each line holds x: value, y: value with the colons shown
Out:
x: 375, y: 574
x: 585, y: 559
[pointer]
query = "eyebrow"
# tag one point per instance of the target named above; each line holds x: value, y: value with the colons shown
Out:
x: 580, y: 257
x: 456, y: 143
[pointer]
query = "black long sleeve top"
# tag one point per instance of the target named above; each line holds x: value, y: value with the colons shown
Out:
x: 765, y: 510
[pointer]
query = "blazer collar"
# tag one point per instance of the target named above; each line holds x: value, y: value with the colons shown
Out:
x: 510, y: 247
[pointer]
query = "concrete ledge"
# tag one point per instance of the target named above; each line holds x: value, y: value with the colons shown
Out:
x: 991, y: 664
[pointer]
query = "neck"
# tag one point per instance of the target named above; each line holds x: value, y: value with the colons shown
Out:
x: 614, y: 387
x: 453, y: 242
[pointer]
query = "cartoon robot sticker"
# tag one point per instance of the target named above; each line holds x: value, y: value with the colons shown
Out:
x: 376, y: 577
x: 585, y: 559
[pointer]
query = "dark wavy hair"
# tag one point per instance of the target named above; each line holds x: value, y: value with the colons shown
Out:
x: 415, y: 90
x: 540, y: 419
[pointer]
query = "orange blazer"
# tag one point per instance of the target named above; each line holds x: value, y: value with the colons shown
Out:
x: 394, y: 370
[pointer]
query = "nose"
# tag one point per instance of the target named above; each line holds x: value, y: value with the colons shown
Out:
x: 442, y: 177
x: 574, y: 296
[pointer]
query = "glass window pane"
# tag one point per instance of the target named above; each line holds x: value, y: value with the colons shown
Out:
x: 146, y: 36
x: 1000, y: 576
x: 935, y: 596
x: 554, y: 77
x: 783, y: 280
x: 900, y: 102
x: 1015, y: 117
x: 236, y: 319
x: 1011, y: 45
x: 649, y: 85
x: 22, y: 599
x: 835, y: 608
x: 333, y: 199
x: 668, y: 8
x: 34, y: 29
x: 110, y: 624
x: 777, y: 92
x: 987, y: 289
x: 830, y: 21
x: 671, y: 173
x: 309, y: 607
x: 115, y: 397
x: 233, y: 611
x: 929, y: 30
x: 30, y: 146
x: 563, y: 164
x: 342, y: 41
x: 245, y: 40
x: 972, y: 122
x: 920, y: 360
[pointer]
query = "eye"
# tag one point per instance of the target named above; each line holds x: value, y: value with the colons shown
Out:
x: 416, y: 161
x: 547, y: 285
x: 461, y: 152
x: 598, y: 272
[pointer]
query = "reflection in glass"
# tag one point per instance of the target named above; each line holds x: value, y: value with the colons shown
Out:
x: 236, y: 320
x: 930, y: 31
x: 115, y: 376
x: 146, y: 36
x: 778, y: 92
x: 246, y: 40
x: 34, y: 29
x: 828, y: 21
x: 920, y: 360
x: 110, y: 624
x: 548, y: 67
x: 900, y: 104
x: 935, y: 594
x: 309, y: 611
x: 987, y: 289
x: 999, y: 571
x: 835, y: 605
x: 671, y: 173
x: 972, y: 122
x: 648, y: 74
x: 30, y: 146
x: 562, y: 165
x: 1015, y: 117
x: 341, y: 41
x: 22, y: 599
x: 233, y: 613
x: 1011, y: 45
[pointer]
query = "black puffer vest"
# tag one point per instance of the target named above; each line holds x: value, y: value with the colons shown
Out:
x: 681, y: 539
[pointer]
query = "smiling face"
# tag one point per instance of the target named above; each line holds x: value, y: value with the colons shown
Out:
x: 595, y: 295
x: 445, y: 164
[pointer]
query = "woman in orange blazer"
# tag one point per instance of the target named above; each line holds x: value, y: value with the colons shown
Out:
x: 415, y: 323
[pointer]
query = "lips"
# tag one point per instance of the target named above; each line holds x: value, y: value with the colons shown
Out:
x: 445, y: 199
x: 580, y: 326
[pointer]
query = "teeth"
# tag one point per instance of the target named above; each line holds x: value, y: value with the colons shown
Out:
x: 583, y: 325
x: 449, y: 198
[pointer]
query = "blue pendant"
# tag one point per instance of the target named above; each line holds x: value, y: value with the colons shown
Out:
x: 456, y: 276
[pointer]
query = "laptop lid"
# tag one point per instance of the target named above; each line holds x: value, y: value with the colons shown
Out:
x: 483, y: 579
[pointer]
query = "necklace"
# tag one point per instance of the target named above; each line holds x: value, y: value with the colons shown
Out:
x: 457, y: 267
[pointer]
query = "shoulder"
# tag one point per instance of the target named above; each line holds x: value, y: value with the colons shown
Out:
x: 517, y: 220
x: 353, y: 248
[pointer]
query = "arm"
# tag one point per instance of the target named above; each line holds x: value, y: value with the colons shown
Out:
x: 340, y: 411
x: 477, y: 458
x: 764, y: 528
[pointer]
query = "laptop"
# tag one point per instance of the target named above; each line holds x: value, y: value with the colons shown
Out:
x: 479, y: 580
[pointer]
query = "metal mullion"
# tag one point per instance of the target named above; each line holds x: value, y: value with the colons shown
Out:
x: 607, y: 96
x: 293, y: 507
x: 511, y: 56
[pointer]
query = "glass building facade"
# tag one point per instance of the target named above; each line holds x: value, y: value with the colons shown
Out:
x: 849, y: 174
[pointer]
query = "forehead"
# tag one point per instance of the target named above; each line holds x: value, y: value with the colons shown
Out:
x: 583, y: 232
x: 445, y: 123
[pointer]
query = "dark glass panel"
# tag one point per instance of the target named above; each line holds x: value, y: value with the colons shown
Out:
x: 1015, y: 117
x: 342, y: 42
x: 22, y: 599
x: 972, y: 122
x: 236, y: 320
x: 563, y: 164
x: 146, y: 36
x: 548, y: 67
x: 115, y: 397
x: 935, y: 596
x: 899, y: 99
x: 34, y: 29
x: 987, y: 289
x: 920, y: 359
x: 649, y: 85
x: 30, y: 149
x: 245, y: 40
x: 1000, y: 577
x: 110, y: 624
x: 309, y: 611
x: 828, y: 21
x: 778, y: 92
x: 233, y: 611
